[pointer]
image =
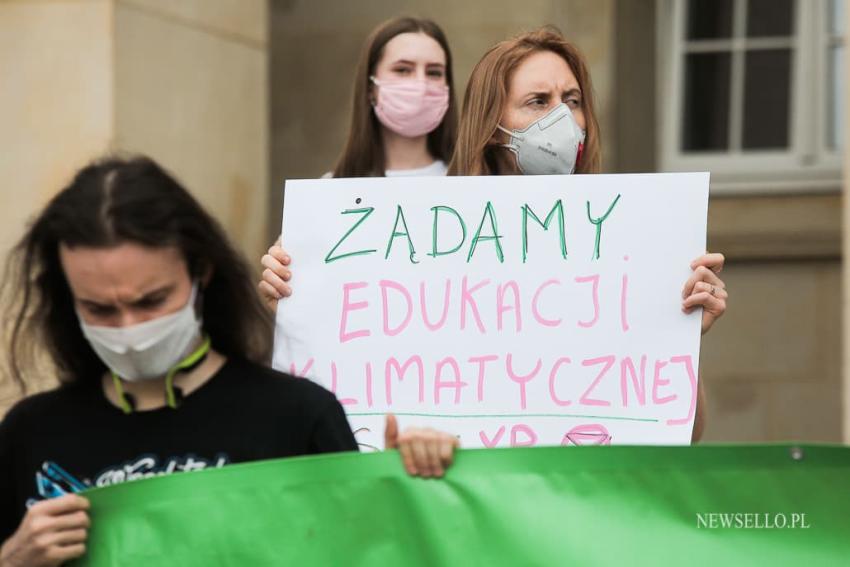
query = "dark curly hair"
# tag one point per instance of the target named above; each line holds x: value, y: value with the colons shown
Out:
x: 111, y: 202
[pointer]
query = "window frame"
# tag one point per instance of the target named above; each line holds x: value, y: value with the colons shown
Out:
x: 808, y: 165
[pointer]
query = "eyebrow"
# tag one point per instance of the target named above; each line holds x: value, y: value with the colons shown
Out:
x: 537, y: 94
x: 145, y: 296
x: 542, y: 90
x: 409, y: 62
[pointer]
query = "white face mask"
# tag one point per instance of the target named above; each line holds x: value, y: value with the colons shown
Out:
x: 549, y: 145
x: 147, y: 350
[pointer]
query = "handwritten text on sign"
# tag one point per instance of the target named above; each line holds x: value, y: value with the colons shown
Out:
x: 509, y: 310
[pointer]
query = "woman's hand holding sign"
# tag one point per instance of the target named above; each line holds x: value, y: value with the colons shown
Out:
x: 276, y: 275
x: 705, y: 289
x: 425, y: 452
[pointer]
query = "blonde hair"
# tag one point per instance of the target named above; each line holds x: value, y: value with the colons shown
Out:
x: 487, y: 93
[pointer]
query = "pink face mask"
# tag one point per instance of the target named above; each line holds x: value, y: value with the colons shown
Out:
x: 411, y: 107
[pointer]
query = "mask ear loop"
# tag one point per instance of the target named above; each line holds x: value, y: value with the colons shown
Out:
x: 123, y: 399
x: 172, y: 395
x: 373, y: 99
x: 184, y: 365
x: 511, y: 147
x: 509, y: 133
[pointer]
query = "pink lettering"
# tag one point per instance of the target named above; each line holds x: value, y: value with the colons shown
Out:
x: 439, y: 383
x: 385, y: 286
x: 444, y: 316
x: 490, y: 443
x: 522, y: 380
x: 530, y: 436
x: 589, y: 434
x: 552, y: 374
x: 344, y: 335
x: 343, y: 401
x: 627, y: 366
x: 467, y: 299
x: 369, y: 384
x: 501, y: 308
x: 689, y: 367
x: 482, y: 361
x: 536, y: 312
x: 658, y: 382
x: 400, y: 371
x: 624, y: 322
x: 608, y: 361
x: 594, y: 279
x: 304, y: 371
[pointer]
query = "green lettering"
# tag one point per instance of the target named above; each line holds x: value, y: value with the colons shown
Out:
x: 598, y: 222
x: 559, y: 209
x: 434, y: 252
x: 491, y: 214
x: 365, y: 212
x: 400, y: 215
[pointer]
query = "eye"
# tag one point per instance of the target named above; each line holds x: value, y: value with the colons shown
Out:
x: 150, y: 302
x: 99, y: 310
x: 537, y: 102
x: 402, y: 71
x: 573, y: 101
x: 436, y: 73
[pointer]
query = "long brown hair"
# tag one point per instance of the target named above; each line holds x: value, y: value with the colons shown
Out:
x: 363, y: 155
x: 111, y: 202
x: 487, y: 93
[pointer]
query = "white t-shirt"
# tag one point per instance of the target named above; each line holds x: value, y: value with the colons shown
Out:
x: 436, y: 168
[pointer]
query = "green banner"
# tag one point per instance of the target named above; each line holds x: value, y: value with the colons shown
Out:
x: 706, y: 505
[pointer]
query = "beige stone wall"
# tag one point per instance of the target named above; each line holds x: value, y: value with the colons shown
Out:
x: 56, y: 108
x: 184, y: 81
x: 191, y: 91
x: 773, y: 366
x: 56, y: 100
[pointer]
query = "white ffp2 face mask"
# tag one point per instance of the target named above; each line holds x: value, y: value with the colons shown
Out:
x: 548, y: 146
x: 146, y: 350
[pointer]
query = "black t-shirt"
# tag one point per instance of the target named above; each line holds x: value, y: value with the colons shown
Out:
x: 73, y: 436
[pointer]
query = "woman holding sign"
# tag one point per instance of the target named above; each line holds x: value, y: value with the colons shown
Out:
x: 403, y: 118
x: 159, y: 340
x: 533, y: 92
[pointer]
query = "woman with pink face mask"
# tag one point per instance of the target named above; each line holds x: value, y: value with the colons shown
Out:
x: 403, y: 116
x: 403, y: 119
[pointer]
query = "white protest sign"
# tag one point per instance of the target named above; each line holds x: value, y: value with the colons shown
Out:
x: 509, y: 310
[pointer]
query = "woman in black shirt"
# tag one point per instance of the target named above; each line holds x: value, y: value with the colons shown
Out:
x: 159, y: 341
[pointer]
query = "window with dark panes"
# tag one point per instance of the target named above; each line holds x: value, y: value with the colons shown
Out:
x: 753, y: 90
x: 737, y: 84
